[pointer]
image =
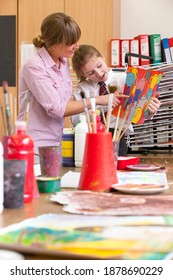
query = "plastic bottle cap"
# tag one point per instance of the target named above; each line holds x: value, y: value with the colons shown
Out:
x: 98, y: 118
x: 20, y: 125
x: 82, y: 118
x: 68, y: 130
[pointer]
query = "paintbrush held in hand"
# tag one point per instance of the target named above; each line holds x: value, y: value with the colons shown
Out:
x: 114, y: 89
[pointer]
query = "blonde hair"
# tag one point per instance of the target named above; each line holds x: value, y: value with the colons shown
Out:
x: 81, y: 57
x: 57, y: 28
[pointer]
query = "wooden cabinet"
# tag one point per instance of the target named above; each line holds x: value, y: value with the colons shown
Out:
x: 30, y: 15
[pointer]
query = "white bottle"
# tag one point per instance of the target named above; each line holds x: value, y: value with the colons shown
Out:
x: 1, y: 178
x: 80, y: 135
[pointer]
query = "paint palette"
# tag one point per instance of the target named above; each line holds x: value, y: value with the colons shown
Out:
x: 140, y: 189
x: 143, y: 167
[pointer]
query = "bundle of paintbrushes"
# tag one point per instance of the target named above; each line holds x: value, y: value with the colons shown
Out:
x: 8, y: 110
x: 119, y: 128
x: 106, y: 120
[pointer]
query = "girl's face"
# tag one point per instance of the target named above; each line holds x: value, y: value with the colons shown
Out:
x: 95, y: 69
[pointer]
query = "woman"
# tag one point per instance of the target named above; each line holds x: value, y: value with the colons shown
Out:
x: 45, y: 81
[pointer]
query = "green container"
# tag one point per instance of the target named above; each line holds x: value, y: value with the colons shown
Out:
x: 48, y: 184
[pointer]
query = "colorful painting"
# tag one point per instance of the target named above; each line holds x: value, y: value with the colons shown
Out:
x: 92, y: 237
x: 140, y: 86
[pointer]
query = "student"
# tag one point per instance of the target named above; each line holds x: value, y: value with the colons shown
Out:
x: 45, y: 80
x: 91, y: 68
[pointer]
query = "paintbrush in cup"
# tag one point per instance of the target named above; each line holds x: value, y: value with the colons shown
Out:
x: 7, y: 108
x: 116, y: 124
x: 108, y: 116
x: 93, y: 109
x: 82, y: 94
x: 103, y: 116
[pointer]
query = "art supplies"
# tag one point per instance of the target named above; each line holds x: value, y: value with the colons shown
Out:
x: 81, y: 130
x: 48, y: 184
x: 1, y: 178
x: 92, y: 237
x: 86, y: 110
x: 50, y: 160
x: 109, y: 111
x: 93, y: 110
x: 14, y: 181
x: 141, y: 85
x: 21, y: 147
x: 67, y: 147
x: 142, y: 201
x: 8, y: 116
x: 98, y: 171
x: 7, y: 108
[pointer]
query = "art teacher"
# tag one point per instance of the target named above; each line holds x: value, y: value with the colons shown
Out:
x: 45, y: 80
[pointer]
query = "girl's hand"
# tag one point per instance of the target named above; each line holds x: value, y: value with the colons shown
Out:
x: 103, y: 100
x: 153, y: 105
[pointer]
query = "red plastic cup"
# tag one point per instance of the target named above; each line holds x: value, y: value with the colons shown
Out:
x: 98, y: 172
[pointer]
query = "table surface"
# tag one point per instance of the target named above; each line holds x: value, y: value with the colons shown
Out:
x: 43, y: 205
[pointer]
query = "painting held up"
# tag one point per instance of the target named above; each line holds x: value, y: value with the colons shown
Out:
x: 140, y: 86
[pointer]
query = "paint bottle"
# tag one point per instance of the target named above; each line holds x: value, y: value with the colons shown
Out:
x: 21, y: 147
x: 68, y: 147
x: 100, y: 125
x: 1, y: 178
x: 80, y: 135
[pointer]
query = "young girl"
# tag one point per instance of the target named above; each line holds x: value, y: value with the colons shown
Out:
x: 91, y: 69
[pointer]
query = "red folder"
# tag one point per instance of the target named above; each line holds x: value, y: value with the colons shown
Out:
x: 124, y: 48
x: 115, y: 53
x: 143, y: 48
x: 134, y: 48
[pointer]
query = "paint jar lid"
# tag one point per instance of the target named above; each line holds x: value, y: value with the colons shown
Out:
x: 68, y: 130
x: 20, y: 125
x: 10, y: 255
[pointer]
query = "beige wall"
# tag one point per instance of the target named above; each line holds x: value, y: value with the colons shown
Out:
x: 146, y: 17
x: 98, y: 19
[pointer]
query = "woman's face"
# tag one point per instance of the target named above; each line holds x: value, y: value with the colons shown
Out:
x: 61, y: 50
x: 95, y: 69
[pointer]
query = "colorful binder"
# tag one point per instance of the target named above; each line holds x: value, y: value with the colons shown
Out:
x: 166, y: 50
x: 143, y: 48
x: 155, y: 48
x: 115, y: 53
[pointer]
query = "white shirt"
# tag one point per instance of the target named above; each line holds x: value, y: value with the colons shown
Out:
x: 91, y: 89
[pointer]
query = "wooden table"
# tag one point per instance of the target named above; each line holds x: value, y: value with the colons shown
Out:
x: 43, y: 205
